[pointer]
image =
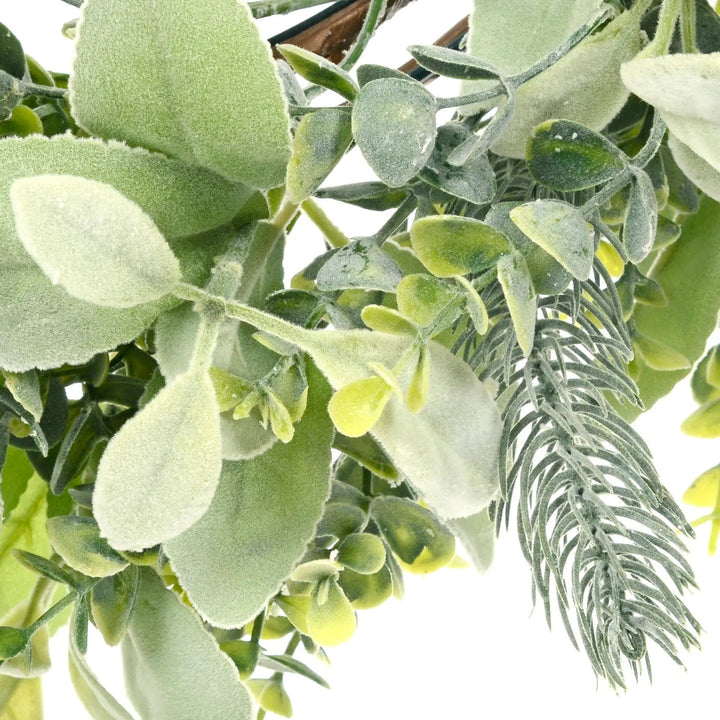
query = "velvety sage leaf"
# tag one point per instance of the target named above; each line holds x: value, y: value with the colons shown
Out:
x: 95, y: 698
x: 561, y: 230
x: 89, y: 238
x: 77, y: 540
x: 113, y: 603
x: 519, y: 293
x: 548, y: 275
x: 393, y: 123
x: 697, y: 169
x: 452, y: 63
x: 473, y: 180
x: 640, y: 219
x: 341, y: 519
x: 175, y: 55
x: 320, y: 141
x: 230, y: 562
x: 319, y: 70
x: 158, y: 475
x: 25, y: 388
x: 57, y: 328
x: 448, y: 450
x: 452, y: 245
x: 700, y: 135
x: 368, y: 195
x: 360, y: 264
x: 690, y: 257
x: 567, y: 156
x: 11, y: 95
x: 44, y: 567
x: 681, y: 84
x: 584, y: 86
x: 477, y: 535
x: 162, y: 668
x: 23, y: 529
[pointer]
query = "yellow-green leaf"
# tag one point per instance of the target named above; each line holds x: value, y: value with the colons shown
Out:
x: 704, y: 422
x: 421, y: 297
x: 704, y: 490
x: 417, y: 391
x: 357, y: 406
x: 332, y: 622
x: 519, y: 292
x: 192, y: 80
x: 362, y: 552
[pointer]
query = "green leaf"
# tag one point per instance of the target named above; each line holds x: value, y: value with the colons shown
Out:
x: 452, y: 63
x: 57, y: 328
x: 162, y: 678
x: 319, y: 70
x: 387, y: 320
x: 393, y: 123
x: 681, y: 84
x: 368, y: 453
x: 362, y: 552
x: 368, y: 195
x: 702, y: 389
x: 35, y: 659
x: 287, y: 663
x: 473, y: 180
x: 356, y: 407
x: 422, y: 297
x: 690, y: 257
x: 584, y: 86
x: 158, y: 475
x: 413, y: 533
x: 95, y: 698
x: 548, y: 275
x: 477, y: 535
x: 331, y: 622
x: 113, y: 603
x: 89, y: 238
x: 360, y: 264
x: 77, y: 540
x: 13, y: 641
x: 704, y: 422
x: 230, y: 562
x: 561, y: 230
x: 21, y: 699
x: 704, y: 490
x: 567, y: 156
x: 341, y: 519
x: 452, y: 245
x: 368, y: 72
x: 16, y: 472
x: 367, y: 591
x: 175, y: 55
x: 44, y: 567
x: 23, y: 529
x: 12, y: 57
x: 658, y: 356
x: 320, y: 141
x: 697, y: 168
x: 417, y: 391
x: 271, y: 696
x: 25, y: 388
x: 640, y: 219
x: 682, y: 193
x: 519, y: 293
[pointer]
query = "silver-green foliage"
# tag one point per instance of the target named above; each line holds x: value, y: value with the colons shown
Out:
x: 192, y: 80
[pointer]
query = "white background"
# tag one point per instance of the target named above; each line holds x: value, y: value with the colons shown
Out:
x: 460, y: 645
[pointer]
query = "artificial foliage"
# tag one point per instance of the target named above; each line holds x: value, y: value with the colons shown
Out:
x: 220, y: 469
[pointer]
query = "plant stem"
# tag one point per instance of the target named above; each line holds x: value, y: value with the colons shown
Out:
x: 60, y: 605
x: 375, y: 13
x: 396, y: 219
x: 688, y: 28
x: 265, y: 8
x: 284, y: 215
x: 31, y: 88
x: 667, y: 20
x: 332, y: 233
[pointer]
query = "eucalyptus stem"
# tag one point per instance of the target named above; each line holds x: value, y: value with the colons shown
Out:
x: 266, y: 8
x: 332, y: 233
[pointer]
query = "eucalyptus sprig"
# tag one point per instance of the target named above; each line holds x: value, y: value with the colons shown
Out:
x: 245, y: 466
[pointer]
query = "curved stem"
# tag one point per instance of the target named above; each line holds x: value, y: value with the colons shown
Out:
x: 332, y: 233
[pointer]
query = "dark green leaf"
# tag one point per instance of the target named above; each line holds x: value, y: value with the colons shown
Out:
x: 567, y: 156
x: 287, y: 663
x: 682, y: 196
x: 320, y: 71
x: 474, y: 180
x: 299, y: 307
x: 393, y: 124
x: 452, y: 63
x: 12, y: 57
x: 113, y: 603
x: 79, y: 624
x: 368, y: 591
x: 12, y: 642
x: 361, y: 264
x: 367, y: 195
x: 84, y: 433
x: 368, y: 453
x: 53, y: 420
x: 641, y: 218
x: 244, y: 653
x: 44, y: 567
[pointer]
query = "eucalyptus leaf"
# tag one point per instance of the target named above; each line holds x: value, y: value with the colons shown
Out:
x: 161, y: 668
x: 320, y: 141
x: 319, y: 70
x: 452, y: 245
x: 393, y: 123
x: 567, y: 156
x: 175, y: 54
x: 640, y: 219
x: 96, y: 243
x: 452, y: 63
x: 360, y: 264
x: 519, y: 292
x: 561, y: 230
x: 158, y: 475
x: 230, y: 562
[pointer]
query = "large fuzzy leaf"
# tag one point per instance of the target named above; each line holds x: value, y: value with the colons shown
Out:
x: 264, y: 513
x: 193, y: 80
x: 41, y: 325
x: 173, y: 666
x: 91, y: 239
x: 158, y: 475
